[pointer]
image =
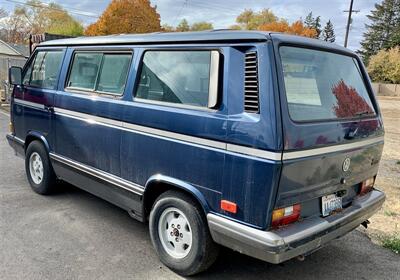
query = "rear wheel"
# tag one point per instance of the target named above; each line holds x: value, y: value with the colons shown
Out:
x: 38, y: 169
x: 180, y: 234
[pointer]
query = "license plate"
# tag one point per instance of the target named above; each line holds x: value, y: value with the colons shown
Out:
x: 330, y: 203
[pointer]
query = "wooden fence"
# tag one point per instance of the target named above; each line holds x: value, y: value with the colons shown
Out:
x: 386, y: 89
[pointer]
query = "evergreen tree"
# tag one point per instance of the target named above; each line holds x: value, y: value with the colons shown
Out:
x: 317, y: 26
x: 309, y: 21
x: 384, y: 30
x: 183, y: 26
x: 328, y: 34
x: 313, y: 23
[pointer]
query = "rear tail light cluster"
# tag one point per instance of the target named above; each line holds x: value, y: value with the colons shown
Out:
x: 367, y: 185
x: 287, y: 215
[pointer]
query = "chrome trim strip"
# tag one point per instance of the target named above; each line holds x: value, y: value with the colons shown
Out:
x: 22, y: 142
x: 202, y: 141
x: 253, y: 152
x: 207, y: 143
x: 177, y: 136
x: 331, y: 149
x: 28, y: 103
x: 114, y: 180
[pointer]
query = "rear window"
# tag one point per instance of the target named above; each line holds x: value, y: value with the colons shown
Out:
x: 323, y: 85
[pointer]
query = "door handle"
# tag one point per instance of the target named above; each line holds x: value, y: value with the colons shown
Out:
x: 49, y: 108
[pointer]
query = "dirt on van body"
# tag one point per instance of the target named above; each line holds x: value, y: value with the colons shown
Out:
x: 386, y: 223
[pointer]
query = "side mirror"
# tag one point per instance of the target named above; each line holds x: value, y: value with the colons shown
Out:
x: 15, y: 75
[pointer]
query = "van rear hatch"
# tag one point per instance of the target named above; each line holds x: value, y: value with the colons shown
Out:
x: 333, y: 132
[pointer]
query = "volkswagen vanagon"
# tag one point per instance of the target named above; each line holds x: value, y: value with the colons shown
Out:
x: 265, y: 143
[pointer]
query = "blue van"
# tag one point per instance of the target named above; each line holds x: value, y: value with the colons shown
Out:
x: 265, y: 143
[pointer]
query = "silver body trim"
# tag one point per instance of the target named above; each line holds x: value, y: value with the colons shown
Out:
x: 29, y: 104
x: 203, y: 142
x: 213, y: 83
x: 300, y: 238
x: 112, y: 179
x: 331, y: 149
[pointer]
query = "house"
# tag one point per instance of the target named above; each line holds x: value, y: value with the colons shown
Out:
x: 10, y: 55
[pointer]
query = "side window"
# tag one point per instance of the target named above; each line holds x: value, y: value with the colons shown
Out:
x: 101, y: 72
x: 43, y: 69
x: 28, y: 72
x: 113, y: 73
x: 85, y: 68
x: 181, y: 77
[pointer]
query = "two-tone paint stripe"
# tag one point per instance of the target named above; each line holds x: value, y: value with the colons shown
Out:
x: 203, y: 142
x: 169, y: 135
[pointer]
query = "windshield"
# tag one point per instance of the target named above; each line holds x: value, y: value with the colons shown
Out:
x: 323, y: 85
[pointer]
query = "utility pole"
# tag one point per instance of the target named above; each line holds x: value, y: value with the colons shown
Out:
x: 350, y: 11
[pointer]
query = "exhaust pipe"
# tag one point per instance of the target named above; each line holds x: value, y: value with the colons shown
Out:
x: 365, y: 223
x: 301, y: 258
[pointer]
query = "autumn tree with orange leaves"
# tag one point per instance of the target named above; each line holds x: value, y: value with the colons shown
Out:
x: 296, y: 28
x: 126, y: 16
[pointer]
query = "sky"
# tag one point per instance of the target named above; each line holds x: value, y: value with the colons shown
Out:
x: 222, y: 13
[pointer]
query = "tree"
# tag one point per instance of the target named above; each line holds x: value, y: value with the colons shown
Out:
x: 167, y: 28
x: 202, y: 25
x: 309, y: 21
x: 36, y: 17
x: 384, y: 30
x: 385, y: 66
x: 126, y: 16
x: 183, y: 26
x: 328, y: 34
x: 296, y: 28
x: 250, y: 20
x: 235, y: 27
x: 313, y: 23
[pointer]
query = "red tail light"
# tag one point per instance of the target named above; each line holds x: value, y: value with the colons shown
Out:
x: 287, y: 215
x: 367, y: 185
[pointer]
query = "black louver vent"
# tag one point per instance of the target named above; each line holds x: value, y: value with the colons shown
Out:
x: 251, y: 83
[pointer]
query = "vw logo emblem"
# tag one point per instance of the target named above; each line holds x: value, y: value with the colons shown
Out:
x: 346, y: 165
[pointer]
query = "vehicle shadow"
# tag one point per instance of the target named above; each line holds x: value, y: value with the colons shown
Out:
x: 346, y: 258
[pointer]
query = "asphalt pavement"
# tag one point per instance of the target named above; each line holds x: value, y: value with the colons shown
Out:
x: 75, y: 235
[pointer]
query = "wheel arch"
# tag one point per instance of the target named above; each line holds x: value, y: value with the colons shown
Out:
x: 158, y: 184
x: 33, y: 136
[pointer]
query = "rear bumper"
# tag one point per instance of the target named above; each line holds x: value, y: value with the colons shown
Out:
x: 17, y: 144
x: 300, y: 238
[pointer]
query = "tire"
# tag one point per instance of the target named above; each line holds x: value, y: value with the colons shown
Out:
x: 201, y: 251
x: 39, y: 171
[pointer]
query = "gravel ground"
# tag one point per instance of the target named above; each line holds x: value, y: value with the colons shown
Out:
x: 74, y: 235
x: 387, y: 221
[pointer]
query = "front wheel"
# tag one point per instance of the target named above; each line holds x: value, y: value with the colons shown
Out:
x: 180, y: 234
x: 38, y: 168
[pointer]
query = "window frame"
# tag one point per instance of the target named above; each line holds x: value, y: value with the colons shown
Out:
x: 95, y: 92
x: 31, y: 62
x: 214, y: 79
x: 359, y: 67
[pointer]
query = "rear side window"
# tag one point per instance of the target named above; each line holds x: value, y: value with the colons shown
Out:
x: 43, y: 70
x: 99, y: 72
x: 323, y: 85
x: 180, y: 77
